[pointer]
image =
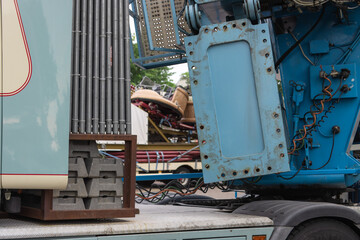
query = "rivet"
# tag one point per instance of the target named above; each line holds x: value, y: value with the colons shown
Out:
x: 257, y: 170
x: 225, y: 28
x: 201, y: 127
x: 195, y: 82
x: 269, y: 69
x: 203, y: 142
x: 216, y: 29
x: 207, y: 166
x: 234, y: 25
x: 206, y: 156
x: 190, y: 43
x: 234, y: 173
x: 244, y: 24
x: 278, y: 130
x: 269, y: 168
x: 191, y: 53
x: 193, y: 68
x: 223, y: 175
x: 206, y: 30
x: 282, y: 155
x: 280, y: 145
x: 264, y: 40
x: 267, y: 55
x: 246, y: 171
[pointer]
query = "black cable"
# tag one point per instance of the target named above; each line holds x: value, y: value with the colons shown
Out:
x: 300, y: 40
x: 174, y: 184
x: 331, y: 152
x: 289, y: 178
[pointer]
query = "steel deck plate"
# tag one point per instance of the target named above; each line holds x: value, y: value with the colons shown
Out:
x: 152, y: 218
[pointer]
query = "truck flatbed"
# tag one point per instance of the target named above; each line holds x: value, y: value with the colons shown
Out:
x: 152, y: 219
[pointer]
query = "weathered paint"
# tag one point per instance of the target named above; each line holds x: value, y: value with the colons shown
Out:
x: 236, y: 98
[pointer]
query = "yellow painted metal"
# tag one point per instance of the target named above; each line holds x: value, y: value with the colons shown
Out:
x: 166, y: 131
x: 159, y: 130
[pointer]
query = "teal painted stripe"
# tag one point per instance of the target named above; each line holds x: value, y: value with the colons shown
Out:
x: 222, y: 234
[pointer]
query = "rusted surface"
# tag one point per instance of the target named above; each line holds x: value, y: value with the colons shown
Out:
x: 45, y: 212
x: 211, y: 100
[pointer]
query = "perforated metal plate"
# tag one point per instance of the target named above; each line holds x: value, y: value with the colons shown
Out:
x: 236, y: 99
x: 161, y: 22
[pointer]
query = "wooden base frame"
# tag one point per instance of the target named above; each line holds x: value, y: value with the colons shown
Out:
x: 45, y: 212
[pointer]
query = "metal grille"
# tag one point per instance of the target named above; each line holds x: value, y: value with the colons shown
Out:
x: 101, y: 67
x: 161, y: 23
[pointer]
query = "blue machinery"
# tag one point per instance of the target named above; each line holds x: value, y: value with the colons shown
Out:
x: 275, y: 88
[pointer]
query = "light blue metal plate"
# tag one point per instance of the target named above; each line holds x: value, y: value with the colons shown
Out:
x: 36, y: 120
x: 238, y: 113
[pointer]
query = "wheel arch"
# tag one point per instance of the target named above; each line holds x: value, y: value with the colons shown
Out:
x: 185, y: 166
x: 288, y: 214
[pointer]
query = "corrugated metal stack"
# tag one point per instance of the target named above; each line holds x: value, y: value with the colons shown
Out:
x: 101, y: 67
x: 94, y: 182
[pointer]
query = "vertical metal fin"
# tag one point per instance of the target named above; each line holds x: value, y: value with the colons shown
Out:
x: 100, y: 77
x: 90, y: 67
x: 121, y: 68
x: 127, y: 68
x: 115, y: 64
x: 76, y: 73
x: 108, y: 68
x: 96, y: 68
x: 83, y: 64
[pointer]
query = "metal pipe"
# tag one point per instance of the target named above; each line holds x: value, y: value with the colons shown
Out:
x: 90, y: 67
x: 115, y: 79
x: 96, y: 68
x: 72, y: 62
x: 127, y: 67
x: 121, y: 68
x: 75, y: 83
x: 102, y: 66
x: 109, y: 69
x: 83, y: 68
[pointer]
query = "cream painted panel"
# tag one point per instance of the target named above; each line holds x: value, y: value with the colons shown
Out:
x: 34, y: 181
x: 16, y: 56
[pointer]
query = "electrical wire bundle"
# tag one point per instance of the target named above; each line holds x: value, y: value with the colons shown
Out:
x: 308, y: 127
x: 315, y: 125
x: 174, y: 189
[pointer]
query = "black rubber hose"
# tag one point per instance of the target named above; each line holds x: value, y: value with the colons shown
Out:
x: 300, y: 40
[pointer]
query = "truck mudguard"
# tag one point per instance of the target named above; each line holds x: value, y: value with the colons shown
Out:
x: 288, y: 214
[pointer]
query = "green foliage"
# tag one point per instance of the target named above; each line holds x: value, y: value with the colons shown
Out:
x: 185, y: 76
x: 159, y: 75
